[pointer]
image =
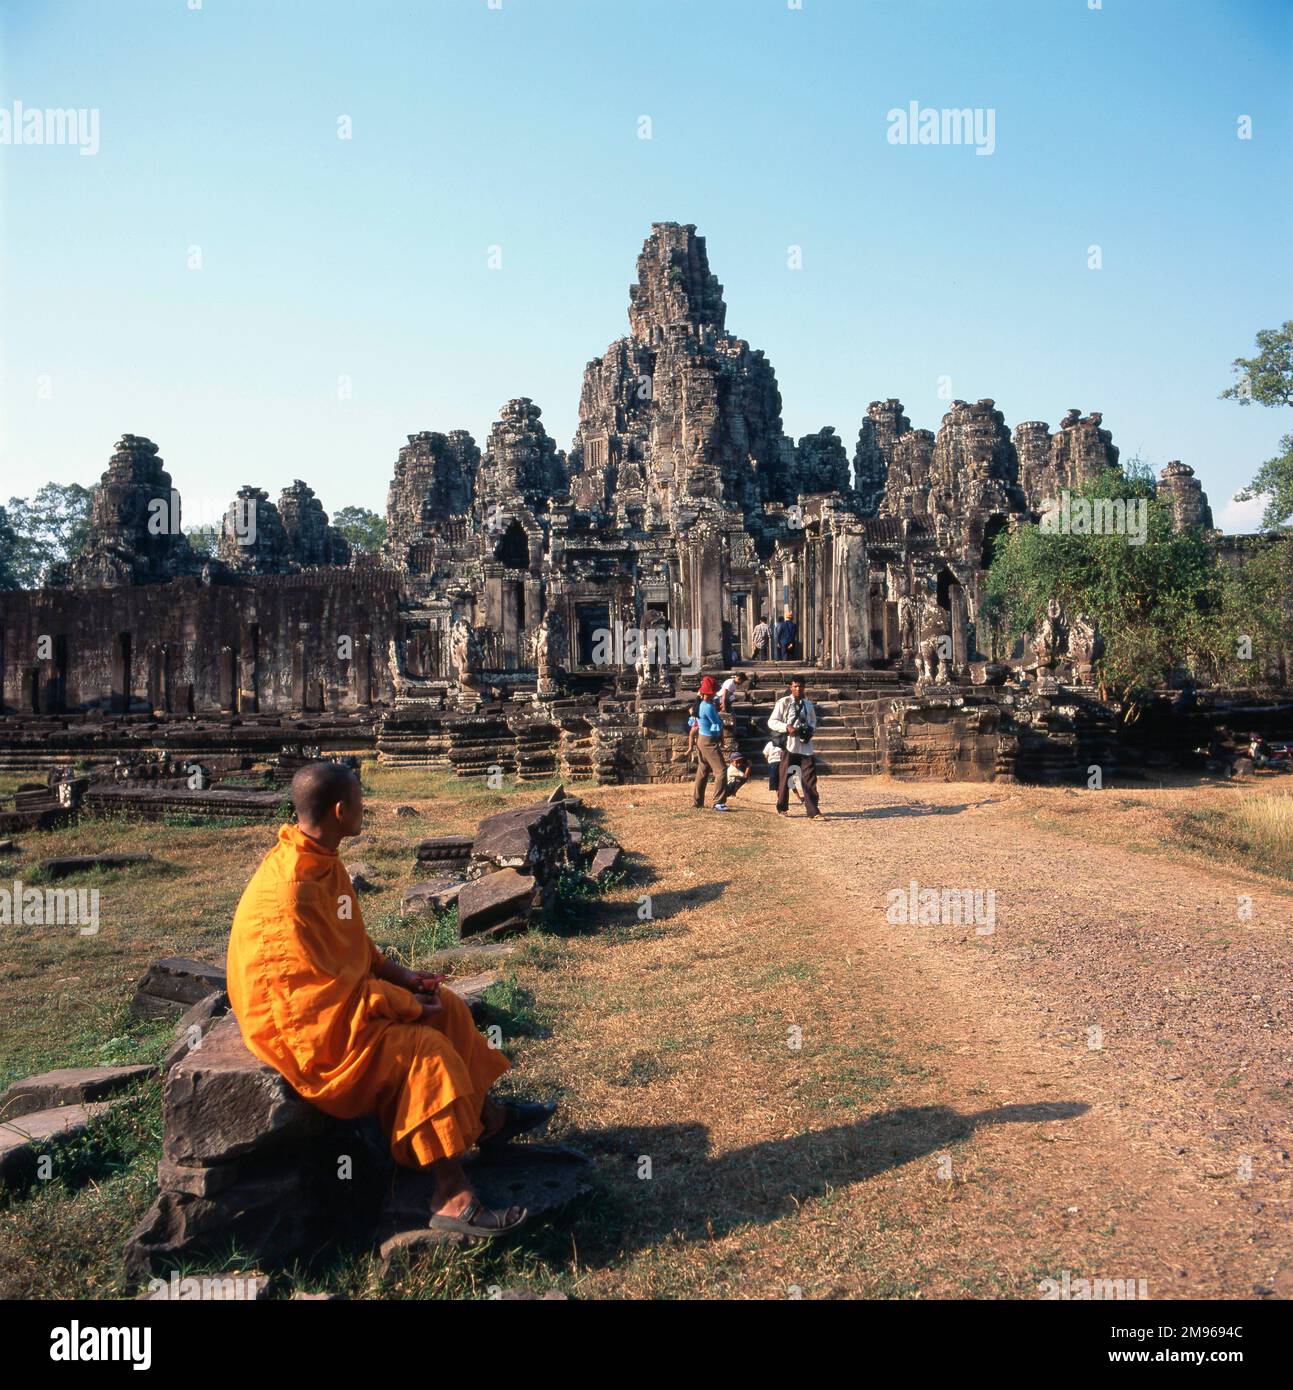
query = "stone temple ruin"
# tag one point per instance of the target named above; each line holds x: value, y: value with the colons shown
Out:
x: 546, y: 613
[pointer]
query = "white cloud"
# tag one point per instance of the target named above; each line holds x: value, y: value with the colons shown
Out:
x: 1240, y: 516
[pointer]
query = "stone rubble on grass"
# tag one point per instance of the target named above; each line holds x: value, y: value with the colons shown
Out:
x: 511, y: 867
x: 532, y: 839
x: 67, y: 1086
x: 444, y: 854
x: 22, y: 1139
x: 471, y: 990
x: 497, y: 904
x: 247, y: 1161
x: 606, y: 860
x: 68, y: 864
x: 434, y: 895
x: 173, y: 985
x: 361, y: 876
x: 7, y: 847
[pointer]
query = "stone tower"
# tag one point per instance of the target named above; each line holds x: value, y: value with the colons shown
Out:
x: 680, y: 414
x: 1184, y: 491
x: 135, y: 535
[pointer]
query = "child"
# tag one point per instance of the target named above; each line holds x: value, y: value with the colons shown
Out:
x: 774, y: 754
x: 738, y: 773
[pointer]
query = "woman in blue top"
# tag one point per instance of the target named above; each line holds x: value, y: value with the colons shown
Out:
x: 709, y: 743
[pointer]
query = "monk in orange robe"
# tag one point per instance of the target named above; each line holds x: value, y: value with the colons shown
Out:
x: 355, y: 1033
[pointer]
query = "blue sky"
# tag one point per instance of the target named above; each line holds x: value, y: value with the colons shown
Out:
x: 517, y: 126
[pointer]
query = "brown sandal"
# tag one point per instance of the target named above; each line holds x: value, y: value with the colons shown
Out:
x: 467, y: 1225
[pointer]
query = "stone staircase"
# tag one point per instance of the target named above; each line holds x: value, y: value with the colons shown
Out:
x: 850, y: 707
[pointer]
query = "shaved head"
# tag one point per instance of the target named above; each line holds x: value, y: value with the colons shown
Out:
x: 317, y: 789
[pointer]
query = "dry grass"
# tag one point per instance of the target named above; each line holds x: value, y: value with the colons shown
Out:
x: 781, y: 1098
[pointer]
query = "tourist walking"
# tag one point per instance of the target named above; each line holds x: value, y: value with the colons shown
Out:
x: 709, y: 744
x: 793, y: 721
x: 762, y: 640
x: 787, y: 633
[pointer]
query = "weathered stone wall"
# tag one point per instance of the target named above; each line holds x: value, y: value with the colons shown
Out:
x: 947, y: 740
x: 272, y: 645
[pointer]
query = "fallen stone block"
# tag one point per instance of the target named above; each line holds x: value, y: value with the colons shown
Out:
x: 220, y: 1102
x: 605, y: 862
x: 23, y: 1140
x: 7, y: 847
x: 288, y: 1200
x: 434, y: 895
x: 501, y: 901
x: 68, y: 864
x: 361, y: 876
x: 444, y: 854
x: 405, y: 811
x: 173, y: 984
x: 532, y: 839
x: 268, y: 1218
x: 543, y: 1178
x: 449, y: 956
x: 193, y: 1026
x: 471, y: 990
x: 67, y: 1086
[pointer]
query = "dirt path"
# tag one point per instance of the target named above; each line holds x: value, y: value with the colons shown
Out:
x: 833, y: 1103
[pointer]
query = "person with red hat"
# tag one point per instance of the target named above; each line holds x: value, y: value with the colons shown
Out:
x: 709, y: 743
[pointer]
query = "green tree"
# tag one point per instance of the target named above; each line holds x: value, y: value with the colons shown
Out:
x: 1253, y: 631
x: 1267, y: 379
x: 365, y: 530
x: 8, y: 553
x: 1155, y: 603
x: 50, y: 527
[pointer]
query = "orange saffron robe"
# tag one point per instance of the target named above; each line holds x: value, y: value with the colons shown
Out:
x: 301, y: 983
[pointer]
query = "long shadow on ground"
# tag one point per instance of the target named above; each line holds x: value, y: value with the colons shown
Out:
x: 904, y: 808
x: 689, y: 1195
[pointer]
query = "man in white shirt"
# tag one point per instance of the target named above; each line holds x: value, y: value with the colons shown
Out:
x: 793, y: 721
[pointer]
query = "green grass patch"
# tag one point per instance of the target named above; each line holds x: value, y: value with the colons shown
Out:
x: 411, y: 940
